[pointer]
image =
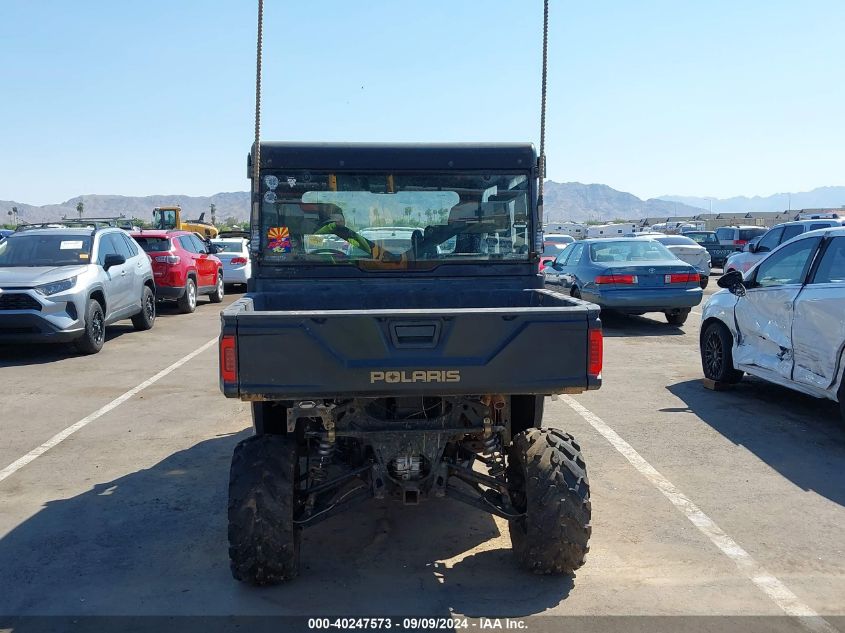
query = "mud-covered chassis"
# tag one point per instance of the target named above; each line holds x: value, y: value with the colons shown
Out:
x: 321, y: 458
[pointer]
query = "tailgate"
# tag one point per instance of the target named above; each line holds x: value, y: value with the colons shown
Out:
x: 371, y: 353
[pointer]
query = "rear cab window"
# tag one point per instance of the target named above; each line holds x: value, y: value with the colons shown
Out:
x: 309, y: 217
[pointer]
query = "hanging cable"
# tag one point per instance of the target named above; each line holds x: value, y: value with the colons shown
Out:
x: 256, y: 162
x: 542, y: 162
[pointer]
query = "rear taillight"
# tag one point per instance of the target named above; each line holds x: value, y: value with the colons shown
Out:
x: 740, y: 242
x: 682, y: 278
x: 167, y: 259
x: 625, y: 280
x: 228, y: 359
x: 239, y: 260
x: 596, y: 353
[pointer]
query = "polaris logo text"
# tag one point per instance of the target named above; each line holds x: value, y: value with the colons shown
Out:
x: 428, y: 375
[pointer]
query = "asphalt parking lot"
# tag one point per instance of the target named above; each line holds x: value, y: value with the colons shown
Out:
x: 704, y: 503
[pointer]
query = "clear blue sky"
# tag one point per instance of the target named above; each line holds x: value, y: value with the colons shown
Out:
x: 653, y: 97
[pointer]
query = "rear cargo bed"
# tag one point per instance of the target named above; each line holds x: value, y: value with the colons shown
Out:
x: 394, y: 344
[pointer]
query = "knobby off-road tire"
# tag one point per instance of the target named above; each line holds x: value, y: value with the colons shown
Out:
x: 219, y: 291
x: 263, y: 539
x: 92, y: 340
x: 146, y: 318
x: 550, y: 477
x: 187, y: 303
x: 717, y: 355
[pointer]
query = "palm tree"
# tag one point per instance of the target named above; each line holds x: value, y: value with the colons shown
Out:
x: 80, y: 207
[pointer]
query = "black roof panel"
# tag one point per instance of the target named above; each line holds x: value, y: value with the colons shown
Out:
x: 397, y: 156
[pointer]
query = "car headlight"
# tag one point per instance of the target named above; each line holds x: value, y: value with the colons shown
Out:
x: 55, y: 286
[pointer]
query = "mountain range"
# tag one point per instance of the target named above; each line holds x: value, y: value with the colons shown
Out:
x: 563, y: 201
x: 820, y: 198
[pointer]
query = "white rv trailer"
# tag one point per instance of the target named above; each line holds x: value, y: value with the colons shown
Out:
x: 575, y: 229
x: 612, y: 230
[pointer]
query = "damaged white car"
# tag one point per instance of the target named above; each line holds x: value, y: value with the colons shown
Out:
x: 783, y: 321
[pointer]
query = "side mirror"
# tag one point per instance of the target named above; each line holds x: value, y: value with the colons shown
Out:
x: 752, y: 247
x: 733, y: 281
x: 212, y: 248
x: 113, y: 259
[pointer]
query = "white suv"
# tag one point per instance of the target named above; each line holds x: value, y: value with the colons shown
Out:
x: 779, y: 234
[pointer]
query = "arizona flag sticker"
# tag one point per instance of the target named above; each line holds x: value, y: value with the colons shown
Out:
x: 278, y: 239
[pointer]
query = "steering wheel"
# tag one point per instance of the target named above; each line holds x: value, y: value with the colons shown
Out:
x: 345, y: 233
x: 329, y: 251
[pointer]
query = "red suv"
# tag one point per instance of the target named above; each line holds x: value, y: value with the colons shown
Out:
x: 183, y: 267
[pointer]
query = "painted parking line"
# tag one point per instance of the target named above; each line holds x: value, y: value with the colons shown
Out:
x: 60, y: 437
x: 778, y: 592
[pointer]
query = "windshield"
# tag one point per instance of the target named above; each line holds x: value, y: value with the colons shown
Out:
x: 153, y: 244
x: 164, y: 219
x: 45, y: 250
x: 228, y: 247
x: 399, y: 218
x: 630, y: 251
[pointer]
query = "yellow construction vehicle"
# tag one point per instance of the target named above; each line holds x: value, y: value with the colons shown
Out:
x: 170, y: 218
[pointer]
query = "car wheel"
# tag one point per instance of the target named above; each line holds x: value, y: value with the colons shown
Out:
x: 575, y: 292
x: 217, y: 295
x: 92, y: 340
x: 146, y: 318
x: 703, y: 282
x: 188, y: 301
x: 677, y: 318
x: 716, y: 355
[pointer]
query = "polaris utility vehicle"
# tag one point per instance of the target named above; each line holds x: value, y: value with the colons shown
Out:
x: 68, y: 284
x: 411, y: 373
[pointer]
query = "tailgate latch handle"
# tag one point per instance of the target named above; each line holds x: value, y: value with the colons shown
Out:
x: 418, y: 334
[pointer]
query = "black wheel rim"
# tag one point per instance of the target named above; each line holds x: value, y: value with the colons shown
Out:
x: 714, y: 355
x: 98, y: 329
x: 150, y: 308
